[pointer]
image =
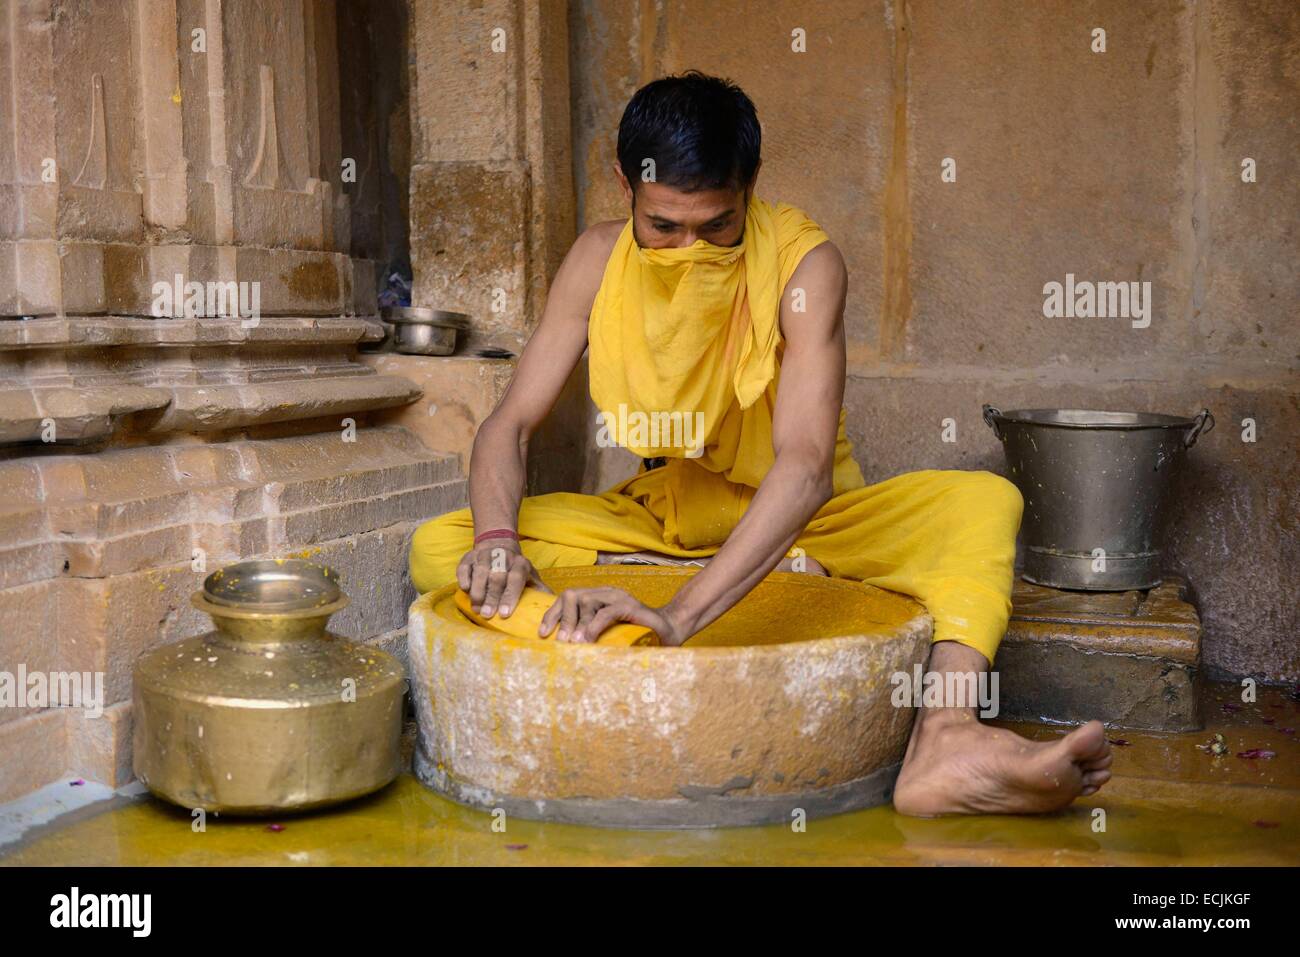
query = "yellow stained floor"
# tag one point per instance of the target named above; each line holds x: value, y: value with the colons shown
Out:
x: 1170, y: 802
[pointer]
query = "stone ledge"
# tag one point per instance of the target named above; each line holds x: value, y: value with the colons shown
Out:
x: 1130, y: 659
x: 83, y: 414
x: 138, y: 331
x: 79, y: 415
x: 212, y: 408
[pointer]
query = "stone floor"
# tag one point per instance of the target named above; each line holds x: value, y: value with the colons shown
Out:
x: 1170, y: 802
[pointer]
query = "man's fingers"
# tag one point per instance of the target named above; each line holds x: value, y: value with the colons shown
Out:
x: 591, y: 603
x: 464, y: 572
x: 516, y: 579
x: 605, y: 618
x: 547, y: 624
x: 569, y: 616
x: 478, y: 581
x: 496, y: 584
x: 639, y: 614
x: 561, y: 611
x: 588, y: 605
x: 581, y: 614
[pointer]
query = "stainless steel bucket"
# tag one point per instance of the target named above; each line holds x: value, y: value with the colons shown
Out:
x: 1094, y: 485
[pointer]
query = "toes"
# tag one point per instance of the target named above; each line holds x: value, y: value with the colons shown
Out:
x: 1086, y: 744
x: 1099, y: 764
x: 1095, y: 779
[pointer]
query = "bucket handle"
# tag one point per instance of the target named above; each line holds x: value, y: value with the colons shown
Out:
x: 1203, y: 423
x: 991, y: 415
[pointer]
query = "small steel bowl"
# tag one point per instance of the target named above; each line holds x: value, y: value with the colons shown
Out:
x: 425, y: 332
x: 422, y: 340
x: 273, y: 585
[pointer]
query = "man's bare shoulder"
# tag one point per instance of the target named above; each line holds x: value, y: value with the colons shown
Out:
x: 580, y: 275
x: 597, y: 241
x: 825, y: 257
x: 823, y: 266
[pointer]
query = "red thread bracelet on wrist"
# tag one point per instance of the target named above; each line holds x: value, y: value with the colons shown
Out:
x: 497, y: 533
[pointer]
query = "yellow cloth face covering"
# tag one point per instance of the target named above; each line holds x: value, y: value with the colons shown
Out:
x: 684, y: 361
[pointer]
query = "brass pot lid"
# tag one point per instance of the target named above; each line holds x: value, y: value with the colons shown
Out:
x: 273, y: 585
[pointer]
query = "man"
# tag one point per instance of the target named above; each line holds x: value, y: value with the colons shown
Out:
x: 720, y: 317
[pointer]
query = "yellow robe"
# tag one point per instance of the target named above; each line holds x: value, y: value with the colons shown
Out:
x: 695, y: 332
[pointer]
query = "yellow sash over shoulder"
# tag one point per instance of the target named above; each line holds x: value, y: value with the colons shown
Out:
x: 685, y: 349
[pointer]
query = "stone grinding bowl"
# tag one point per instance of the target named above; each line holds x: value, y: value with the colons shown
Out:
x: 783, y: 704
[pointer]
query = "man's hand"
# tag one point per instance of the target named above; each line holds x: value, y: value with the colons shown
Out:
x: 494, y: 575
x: 581, y: 614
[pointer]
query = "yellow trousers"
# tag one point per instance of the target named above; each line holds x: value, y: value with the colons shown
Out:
x: 946, y: 538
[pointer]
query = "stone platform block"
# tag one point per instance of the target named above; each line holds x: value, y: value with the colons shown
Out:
x: 1129, y: 659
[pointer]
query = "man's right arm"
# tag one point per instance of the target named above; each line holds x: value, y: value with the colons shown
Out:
x: 498, y: 463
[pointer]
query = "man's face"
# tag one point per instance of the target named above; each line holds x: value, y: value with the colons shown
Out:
x: 667, y: 218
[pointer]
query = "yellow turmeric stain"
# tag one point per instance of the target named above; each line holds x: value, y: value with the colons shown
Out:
x: 407, y: 824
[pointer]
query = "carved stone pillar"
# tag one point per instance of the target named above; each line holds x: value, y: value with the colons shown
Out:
x: 147, y: 439
x: 159, y: 138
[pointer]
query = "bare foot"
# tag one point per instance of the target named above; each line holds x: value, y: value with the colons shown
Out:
x: 956, y: 765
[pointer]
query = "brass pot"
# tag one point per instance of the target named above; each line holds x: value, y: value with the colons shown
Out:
x: 269, y: 712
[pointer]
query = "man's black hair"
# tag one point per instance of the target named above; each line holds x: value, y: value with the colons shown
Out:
x: 701, y: 131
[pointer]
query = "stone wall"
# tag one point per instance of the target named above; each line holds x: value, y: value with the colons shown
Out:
x: 1118, y: 166
x: 490, y: 126
x: 144, y: 446
x: 492, y: 212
